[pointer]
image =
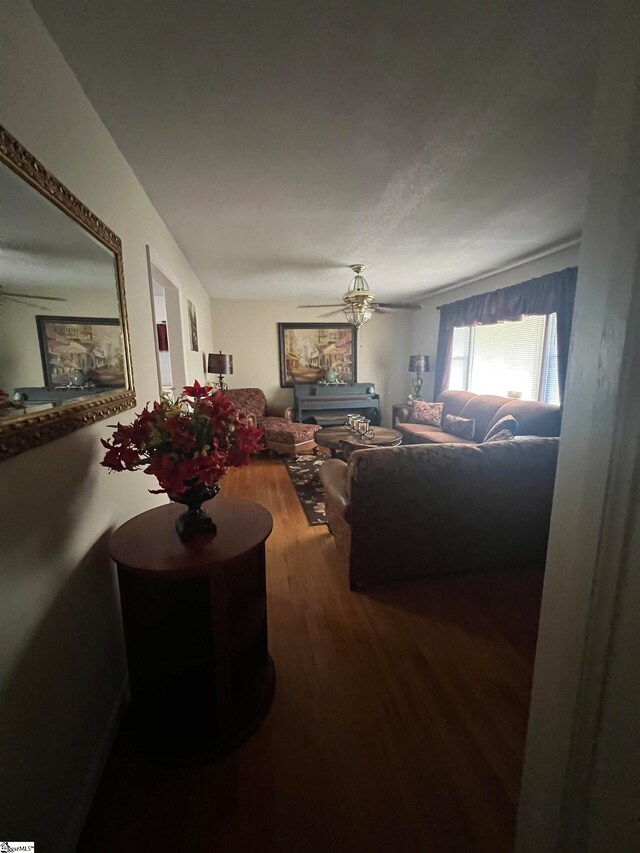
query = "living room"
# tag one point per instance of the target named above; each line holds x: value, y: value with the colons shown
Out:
x: 380, y: 735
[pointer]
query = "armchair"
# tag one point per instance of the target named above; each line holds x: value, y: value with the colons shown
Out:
x: 281, y: 434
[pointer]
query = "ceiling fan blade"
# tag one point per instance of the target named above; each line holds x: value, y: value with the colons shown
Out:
x: 332, y: 313
x: 399, y: 306
x: 5, y: 297
x: 326, y: 305
x: 32, y: 296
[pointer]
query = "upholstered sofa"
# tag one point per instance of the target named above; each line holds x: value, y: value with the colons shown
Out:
x: 542, y: 419
x: 281, y: 433
x: 417, y: 510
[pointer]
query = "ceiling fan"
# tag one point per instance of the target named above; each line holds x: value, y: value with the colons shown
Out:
x: 6, y: 296
x: 358, y: 303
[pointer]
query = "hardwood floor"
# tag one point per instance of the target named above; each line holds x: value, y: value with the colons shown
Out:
x: 398, y: 722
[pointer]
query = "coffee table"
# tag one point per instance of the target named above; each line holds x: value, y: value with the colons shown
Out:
x: 331, y: 437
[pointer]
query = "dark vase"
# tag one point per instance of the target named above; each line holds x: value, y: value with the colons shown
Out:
x: 195, y: 520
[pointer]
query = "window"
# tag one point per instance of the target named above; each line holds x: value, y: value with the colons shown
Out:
x: 510, y: 359
x: 459, y: 377
x: 549, y: 381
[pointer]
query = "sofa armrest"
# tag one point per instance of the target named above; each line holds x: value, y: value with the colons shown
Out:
x: 285, y: 412
x: 400, y: 413
x: 333, y: 475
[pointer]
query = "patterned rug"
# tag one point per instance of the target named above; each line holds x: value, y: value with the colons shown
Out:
x: 305, y: 476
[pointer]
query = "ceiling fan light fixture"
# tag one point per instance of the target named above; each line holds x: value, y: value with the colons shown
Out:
x: 359, y: 303
x: 358, y: 299
x: 358, y: 286
x: 357, y: 312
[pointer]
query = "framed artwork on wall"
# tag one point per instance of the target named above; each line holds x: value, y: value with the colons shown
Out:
x: 193, y: 326
x: 75, y: 347
x: 309, y: 350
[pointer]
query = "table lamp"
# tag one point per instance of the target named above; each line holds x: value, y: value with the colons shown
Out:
x: 221, y: 364
x: 418, y: 364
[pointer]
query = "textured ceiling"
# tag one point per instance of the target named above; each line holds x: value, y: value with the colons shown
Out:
x: 283, y: 141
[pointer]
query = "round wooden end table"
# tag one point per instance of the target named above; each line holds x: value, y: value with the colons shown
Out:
x: 331, y: 437
x: 195, y: 624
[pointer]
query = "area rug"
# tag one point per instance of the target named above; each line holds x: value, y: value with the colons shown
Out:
x: 305, y: 476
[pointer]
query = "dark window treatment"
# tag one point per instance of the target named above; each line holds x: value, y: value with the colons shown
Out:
x: 163, y: 337
x: 550, y: 294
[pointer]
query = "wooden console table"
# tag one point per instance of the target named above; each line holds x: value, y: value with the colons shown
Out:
x: 195, y: 623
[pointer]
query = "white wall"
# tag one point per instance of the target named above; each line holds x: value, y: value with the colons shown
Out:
x: 248, y: 330
x: 581, y: 780
x: 425, y: 323
x: 61, y: 657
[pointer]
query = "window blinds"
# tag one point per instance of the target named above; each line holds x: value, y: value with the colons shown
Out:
x: 512, y: 359
x: 506, y: 358
x: 460, y: 359
x: 550, y: 390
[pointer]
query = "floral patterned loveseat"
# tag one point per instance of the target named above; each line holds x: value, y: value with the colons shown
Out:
x: 427, y: 509
x: 281, y: 434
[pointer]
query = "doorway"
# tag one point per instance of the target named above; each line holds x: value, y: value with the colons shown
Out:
x: 165, y: 305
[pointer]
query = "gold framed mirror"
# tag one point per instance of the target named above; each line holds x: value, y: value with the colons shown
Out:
x: 65, y: 355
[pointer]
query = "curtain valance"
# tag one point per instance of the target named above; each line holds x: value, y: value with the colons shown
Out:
x: 549, y: 294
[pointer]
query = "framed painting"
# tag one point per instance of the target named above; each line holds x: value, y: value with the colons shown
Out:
x: 193, y: 325
x: 79, y: 350
x: 309, y: 350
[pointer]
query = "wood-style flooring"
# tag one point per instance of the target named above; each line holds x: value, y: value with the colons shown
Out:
x: 398, y: 723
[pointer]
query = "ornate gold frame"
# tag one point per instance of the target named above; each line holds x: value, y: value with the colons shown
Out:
x: 27, y: 431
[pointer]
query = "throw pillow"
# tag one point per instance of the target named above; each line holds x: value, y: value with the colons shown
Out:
x: 507, y: 422
x: 503, y: 435
x: 426, y: 413
x: 460, y: 427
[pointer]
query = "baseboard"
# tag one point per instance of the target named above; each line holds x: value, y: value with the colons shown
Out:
x: 94, y: 773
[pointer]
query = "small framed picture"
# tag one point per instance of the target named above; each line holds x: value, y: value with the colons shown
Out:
x: 193, y: 325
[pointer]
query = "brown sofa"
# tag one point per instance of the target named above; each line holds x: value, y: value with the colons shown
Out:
x: 412, y: 511
x: 281, y: 433
x: 533, y: 418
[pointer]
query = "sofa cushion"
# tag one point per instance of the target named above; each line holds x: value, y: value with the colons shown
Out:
x: 461, y: 427
x: 533, y: 418
x: 454, y: 401
x: 426, y: 413
x: 500, y: 435
x: 420, y: 433
x: 508, y: 422
x: 482, y: 409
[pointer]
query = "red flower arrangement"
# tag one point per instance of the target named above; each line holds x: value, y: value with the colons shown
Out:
x: 187, y: 443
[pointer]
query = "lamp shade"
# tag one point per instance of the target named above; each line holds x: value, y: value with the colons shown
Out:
x: 418, y: 364
x: 220, y: 363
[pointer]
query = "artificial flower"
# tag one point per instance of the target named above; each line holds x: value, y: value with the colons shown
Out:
x: 184, y: 443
